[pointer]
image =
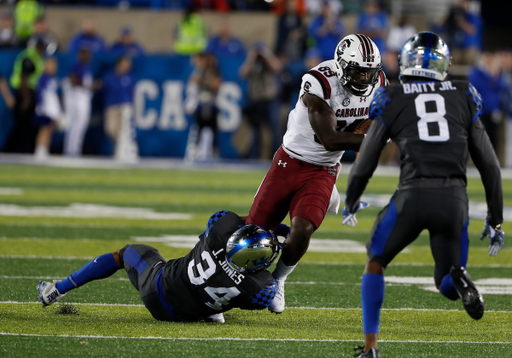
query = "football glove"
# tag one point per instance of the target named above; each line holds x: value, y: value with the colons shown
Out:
x: 496, y: 236
x: 350, y: 218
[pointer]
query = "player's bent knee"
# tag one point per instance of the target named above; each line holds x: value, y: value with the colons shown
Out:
x: 117, y: 258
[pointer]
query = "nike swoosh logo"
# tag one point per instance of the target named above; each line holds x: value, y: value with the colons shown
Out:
x: 465, y: 284
x: 96, y: 260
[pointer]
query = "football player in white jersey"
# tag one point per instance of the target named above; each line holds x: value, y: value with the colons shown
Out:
x: 333, y: 101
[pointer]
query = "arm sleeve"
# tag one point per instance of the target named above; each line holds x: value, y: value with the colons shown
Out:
x: 365, y: 164
x: 486, y: 162
x: 315, y: 83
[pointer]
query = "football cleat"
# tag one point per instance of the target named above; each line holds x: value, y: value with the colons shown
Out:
x: 277, y: 305
x: 471, y: 298
x: 48, y: 293
x: 215, y: 318
x: 370, y: 353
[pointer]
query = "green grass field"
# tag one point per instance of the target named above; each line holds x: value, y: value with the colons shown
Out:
x: 54, y: 220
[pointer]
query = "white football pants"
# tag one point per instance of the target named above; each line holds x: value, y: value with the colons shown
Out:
x: 77, y: 103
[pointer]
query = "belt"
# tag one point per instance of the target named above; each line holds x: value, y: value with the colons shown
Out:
x: 303, y: 163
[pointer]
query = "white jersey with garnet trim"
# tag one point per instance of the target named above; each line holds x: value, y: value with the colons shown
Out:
x: 299, y: 141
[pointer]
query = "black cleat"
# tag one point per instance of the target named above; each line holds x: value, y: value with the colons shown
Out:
x: 370, y: 353
x: 471, y: 299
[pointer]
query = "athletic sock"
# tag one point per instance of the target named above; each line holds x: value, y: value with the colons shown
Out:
x: 372, y: 296
x: 282, y: 271
x: 447, y: 288
x: 101, y: 267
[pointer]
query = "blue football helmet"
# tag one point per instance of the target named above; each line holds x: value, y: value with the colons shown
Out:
x: 424, y: 55
x: 252, y: 248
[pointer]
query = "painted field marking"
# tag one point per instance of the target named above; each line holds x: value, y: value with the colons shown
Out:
x: 80, y: 210
x: 83, y: 258
x: 488, y: 286
x: 477, y: 210
x: 11, y: 191
x: 290, y: 307
x: 315, y: 245
x: 241, y: 339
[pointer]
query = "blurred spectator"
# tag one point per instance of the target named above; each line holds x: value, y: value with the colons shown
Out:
x: 118, y: 86
x: 225, y: 44
x: 87, y: 38
x: 463, y: 26
x: 254, y: 5
x: 5, y: 91
x: 486, y: 79
x: 42, y: 31
x: 291, y: 35
x: 326, y: 30
x: 260, y: 69
x: 126, y: 45
x: 506, y: 76
x: 77, y: 103
x: 399, y: 34
x: 202, y: 88
x: 48, y: 108
x: 169, y: 4
x: 190, y: 34
x: 8, y: 38
x: 352, y: 6
x: 280, y: 7
x: 26, y: 12
x: 312, y: 58
x: 316, y: 7
x: 28, y: 68
x: 217, y: 5
x: 374, y: 23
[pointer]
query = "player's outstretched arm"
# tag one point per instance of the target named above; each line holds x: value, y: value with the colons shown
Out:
x: 323, y: 121
x: 487, y: 163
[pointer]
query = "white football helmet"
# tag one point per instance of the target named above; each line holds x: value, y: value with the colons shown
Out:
x: 357, y: 63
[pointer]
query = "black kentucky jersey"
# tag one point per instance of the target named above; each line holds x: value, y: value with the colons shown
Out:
x: 435, y: 125
x: 430, y: 122
x: 202, y: 283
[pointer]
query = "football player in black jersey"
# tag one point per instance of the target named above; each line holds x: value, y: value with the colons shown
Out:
x: 435, y: 123
x: 226, y: 269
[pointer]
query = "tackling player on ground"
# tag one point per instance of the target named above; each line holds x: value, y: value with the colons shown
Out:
x: 226, y: 269
x: 333, y: 100
x: 435, y: 123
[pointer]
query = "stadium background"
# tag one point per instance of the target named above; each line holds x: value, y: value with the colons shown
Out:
x: 55, y: 216
x: 162, y: 130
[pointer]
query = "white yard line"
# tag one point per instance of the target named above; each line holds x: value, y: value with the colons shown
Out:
x: 241, y: 339
x: 296, y: 308
x: 31, y: 257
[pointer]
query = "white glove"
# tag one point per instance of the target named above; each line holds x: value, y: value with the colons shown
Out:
x: 496, y: 236
x: 350, y: 218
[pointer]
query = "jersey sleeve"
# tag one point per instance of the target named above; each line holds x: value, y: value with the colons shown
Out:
x: 486, y: 161
x: 261, y: 292
x: 365, y: 164
x: 316, y: 84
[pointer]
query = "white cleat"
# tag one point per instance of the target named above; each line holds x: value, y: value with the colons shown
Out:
x: 277, y: 305
x: 215, y: 318
x: 48, y: 293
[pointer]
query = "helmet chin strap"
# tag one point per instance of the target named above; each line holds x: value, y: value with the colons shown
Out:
x: 357, y: 91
